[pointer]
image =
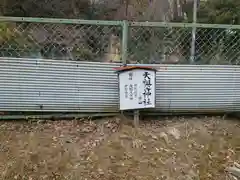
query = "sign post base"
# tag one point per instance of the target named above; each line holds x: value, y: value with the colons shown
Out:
x: 136, y: 118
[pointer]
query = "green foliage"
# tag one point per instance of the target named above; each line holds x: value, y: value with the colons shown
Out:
x: 46, y: 8
x: 15, y: 43
x: 6, y: 32
x: 83, y: 54
x: 219, y: 12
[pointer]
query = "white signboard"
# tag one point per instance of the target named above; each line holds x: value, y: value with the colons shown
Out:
x: 137, y: 89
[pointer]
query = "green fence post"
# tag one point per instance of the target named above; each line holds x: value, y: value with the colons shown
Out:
x: 124, y: 41
x: 194, y: 29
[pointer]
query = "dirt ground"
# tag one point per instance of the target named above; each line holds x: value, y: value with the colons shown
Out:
x: 111, y: 149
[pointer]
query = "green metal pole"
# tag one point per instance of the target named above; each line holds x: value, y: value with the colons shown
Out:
x: 124, y: 41
x: 194, y: 29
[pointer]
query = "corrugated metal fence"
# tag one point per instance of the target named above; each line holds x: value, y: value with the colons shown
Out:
x: 42, y: 85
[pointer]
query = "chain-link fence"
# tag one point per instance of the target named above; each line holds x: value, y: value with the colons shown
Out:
x: 172, y: 43
x: 218, y: 45
x: 159, y: 44
x: 76, y: 41
x: 108, y: 41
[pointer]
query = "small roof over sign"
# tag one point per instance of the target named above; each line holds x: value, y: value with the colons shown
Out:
x: 128, y: 68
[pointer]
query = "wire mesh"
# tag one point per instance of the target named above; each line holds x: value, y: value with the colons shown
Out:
x: 164, y: 43
x: 172, y: 45
x: 159, y: 45
x: 217, y: 46
x: 60, y: 41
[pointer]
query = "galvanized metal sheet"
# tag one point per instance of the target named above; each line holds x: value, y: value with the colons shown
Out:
x: 197, y: 88
x: 57, y: 86
x: 71, y: 86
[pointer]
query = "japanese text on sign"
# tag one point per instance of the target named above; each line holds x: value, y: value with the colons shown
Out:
x: 137, y: 89
x: 147, y: 88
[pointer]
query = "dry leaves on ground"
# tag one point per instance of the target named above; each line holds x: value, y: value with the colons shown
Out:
x: 170, y: 149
